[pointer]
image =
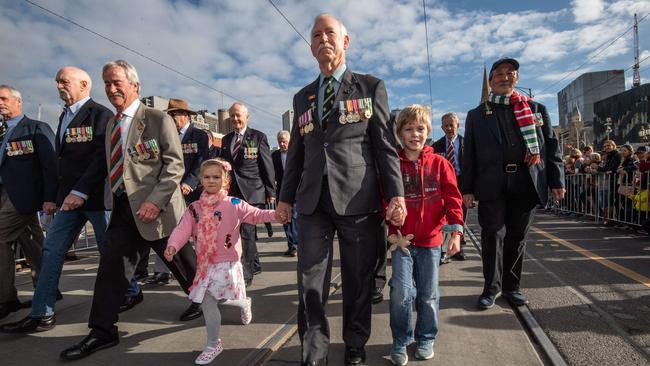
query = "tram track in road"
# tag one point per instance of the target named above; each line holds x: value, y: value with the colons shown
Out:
x: 548, y: 352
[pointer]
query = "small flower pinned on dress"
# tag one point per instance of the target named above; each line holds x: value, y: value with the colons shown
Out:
x: 235, y: 201
x: 228, y: 243
x: 217, y: 214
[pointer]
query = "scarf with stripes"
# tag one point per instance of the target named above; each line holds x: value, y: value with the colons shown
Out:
x: 524, y: 116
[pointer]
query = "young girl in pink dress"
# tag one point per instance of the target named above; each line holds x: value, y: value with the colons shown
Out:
x: 214, y: 222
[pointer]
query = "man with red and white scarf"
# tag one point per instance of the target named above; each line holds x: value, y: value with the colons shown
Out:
x: 511, y: 158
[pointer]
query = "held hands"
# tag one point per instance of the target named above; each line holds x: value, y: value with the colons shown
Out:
x: 283, y: 213
x: 49, y: 208
x: 72, y: 202
x: 185, y: 189
x: 396, y: 211
x: 454, y: 244
x: 169, y: 253
x: 468, y: 200
x: 148, y: 212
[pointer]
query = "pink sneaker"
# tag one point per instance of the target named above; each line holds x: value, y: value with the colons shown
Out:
x: 209, y: 354
x: 246, y: 312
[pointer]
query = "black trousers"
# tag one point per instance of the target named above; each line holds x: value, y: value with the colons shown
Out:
x: 504, y: 226
x: 250, y: 259
x: 382, y: 257
x: 123, y: 249
x: 358, y: 236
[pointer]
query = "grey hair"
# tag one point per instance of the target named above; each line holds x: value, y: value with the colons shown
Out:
x: 283, y: 133
x: 241, y: 105
x: 13, y: 91
x: 448, y: 115
x: 129, y: 70
x: 344, y: 31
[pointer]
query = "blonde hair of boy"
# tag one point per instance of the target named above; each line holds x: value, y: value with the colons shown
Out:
x: 414, y: 113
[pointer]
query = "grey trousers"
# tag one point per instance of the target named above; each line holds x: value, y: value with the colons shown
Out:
x: 25, y: 229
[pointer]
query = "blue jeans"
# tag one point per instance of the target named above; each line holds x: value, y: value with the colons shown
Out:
x: 63, y: 231
x: 415, y: 277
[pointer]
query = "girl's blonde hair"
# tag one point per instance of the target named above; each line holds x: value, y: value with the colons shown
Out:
x: 220, y: 163
x: 414, y: 113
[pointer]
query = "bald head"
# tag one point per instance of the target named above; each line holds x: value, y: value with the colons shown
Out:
x: 73, y: 84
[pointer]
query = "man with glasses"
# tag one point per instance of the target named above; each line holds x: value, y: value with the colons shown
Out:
x: 510, y: 159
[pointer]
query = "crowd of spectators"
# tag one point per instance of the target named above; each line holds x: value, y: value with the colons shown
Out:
x: 611, y: 183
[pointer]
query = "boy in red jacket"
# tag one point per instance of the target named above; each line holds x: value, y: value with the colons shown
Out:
x: 432, y: 198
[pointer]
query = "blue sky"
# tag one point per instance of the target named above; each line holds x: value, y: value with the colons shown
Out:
x: 246, y: 49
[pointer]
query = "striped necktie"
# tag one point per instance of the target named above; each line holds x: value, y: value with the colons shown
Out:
x: 451, y: 155
x: 117, y: 159
x: 328, y: 100
x: 235, y: 148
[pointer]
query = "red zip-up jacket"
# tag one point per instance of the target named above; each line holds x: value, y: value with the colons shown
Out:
x: 432, y: 198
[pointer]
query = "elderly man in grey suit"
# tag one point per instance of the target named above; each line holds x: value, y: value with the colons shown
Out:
x: 339, y: 156
x: 145, y: 167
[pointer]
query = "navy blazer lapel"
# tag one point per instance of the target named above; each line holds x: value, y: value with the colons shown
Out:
x: 188, y: 134
x: 312, y: 90
x: 57, y: 138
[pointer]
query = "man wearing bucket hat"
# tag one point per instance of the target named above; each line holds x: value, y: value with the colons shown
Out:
x: 510, y: 159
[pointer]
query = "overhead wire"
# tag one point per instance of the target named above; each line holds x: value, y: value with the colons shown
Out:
x: 609, y: 44
x: 426, y: 36
x: 136, y: 52
x: 291, y: 24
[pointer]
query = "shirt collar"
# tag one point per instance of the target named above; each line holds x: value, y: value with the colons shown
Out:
x: 184, y: 128
x: 242, y: 132
x: 12, y: 122
x: 131, y: 109
x: 451, y: 140
x: 75, y: 107
x: 337, y: 74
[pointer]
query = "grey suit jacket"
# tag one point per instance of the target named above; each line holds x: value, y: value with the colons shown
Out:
x: 359, y: 156
x: 156, y: 179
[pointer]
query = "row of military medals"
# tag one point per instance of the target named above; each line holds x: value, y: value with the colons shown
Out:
x: 19, y: 147
x: 305, y: 122
x: 355, y: 110
x: 144, y: 150
x: 79, y: 134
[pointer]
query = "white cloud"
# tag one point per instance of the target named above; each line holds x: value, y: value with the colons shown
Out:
x: 586, y: 11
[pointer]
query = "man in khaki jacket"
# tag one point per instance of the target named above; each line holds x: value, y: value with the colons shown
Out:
x: 145, y: 166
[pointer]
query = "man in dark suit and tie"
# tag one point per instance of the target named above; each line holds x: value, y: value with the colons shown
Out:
x: 194, y: 143
x: 279, y: 157
x: 511, y: 158
x: 79, y: 146
x: 451, y: 147
x: 339, y: 155
x: 145, y: 166
x: 27, y: 185
x: 247, y: 150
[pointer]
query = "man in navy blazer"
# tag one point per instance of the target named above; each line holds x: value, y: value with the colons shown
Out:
x: 451, y: 147
x: 81, y: 173
x: 27, y: 185
x: 511, y: 158
x: 247, y: 150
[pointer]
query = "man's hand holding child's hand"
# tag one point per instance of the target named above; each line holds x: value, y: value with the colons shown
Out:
x: 169, y: 253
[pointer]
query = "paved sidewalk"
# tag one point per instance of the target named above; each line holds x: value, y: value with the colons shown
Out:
x: 151, y: 333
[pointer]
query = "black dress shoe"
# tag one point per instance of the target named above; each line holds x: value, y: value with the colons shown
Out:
x: 460, y: 256
x: 486, y: 301
x: 321, y: 362
x: 248, y: 282
x: 355, y: 356
x: 87, y: 346
x: 377, y: 295
x: 131, y: 301
x: 192, y: 312
x: 515, y: 298
x: 269, y: 231
x: 444, y: 259
x: 291, y: 252
x: 10, y: 307
x: 30, y: 325
x: 257, y: 271
x: 158, y: 279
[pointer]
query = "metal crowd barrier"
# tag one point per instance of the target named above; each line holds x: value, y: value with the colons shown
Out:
x: 607, y: 197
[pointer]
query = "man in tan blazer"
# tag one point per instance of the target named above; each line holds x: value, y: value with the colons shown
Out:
x: 145, y: 166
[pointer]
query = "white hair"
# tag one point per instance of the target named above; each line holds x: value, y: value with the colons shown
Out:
x: 13, y: 91
x: 283, y: 133
x: 129, y: 70
x: 344, y: 31
x: 240, y: 105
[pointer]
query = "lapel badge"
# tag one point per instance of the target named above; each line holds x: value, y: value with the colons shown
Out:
x: 539, y: 120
